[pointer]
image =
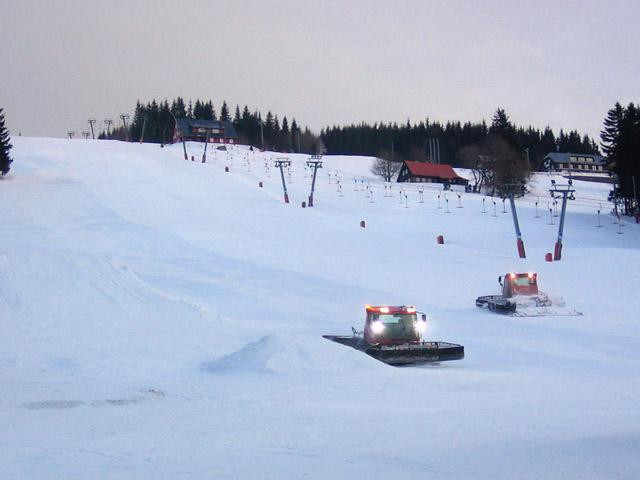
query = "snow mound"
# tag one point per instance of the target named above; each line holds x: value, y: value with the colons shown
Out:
x: 290, y: 354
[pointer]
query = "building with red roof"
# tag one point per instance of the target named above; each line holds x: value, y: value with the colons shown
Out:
x: 430, y: 173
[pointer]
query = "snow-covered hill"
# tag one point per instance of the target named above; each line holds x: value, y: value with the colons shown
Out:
x: 162, y: 318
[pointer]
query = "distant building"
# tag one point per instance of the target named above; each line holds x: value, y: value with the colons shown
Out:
x: 214, y: 131
x: 574, y: 162
x: 429, y: 173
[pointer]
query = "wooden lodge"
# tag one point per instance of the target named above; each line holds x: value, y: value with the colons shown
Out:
x: 213, y: 131
x: 429, y: 173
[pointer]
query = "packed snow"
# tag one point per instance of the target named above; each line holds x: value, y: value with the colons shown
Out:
x: 163, y: 318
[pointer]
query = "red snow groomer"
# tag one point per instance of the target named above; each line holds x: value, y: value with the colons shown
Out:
x: 521, y: 298
x: 393, y: 335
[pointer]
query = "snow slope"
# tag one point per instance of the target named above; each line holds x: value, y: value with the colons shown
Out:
x: 161, y: 318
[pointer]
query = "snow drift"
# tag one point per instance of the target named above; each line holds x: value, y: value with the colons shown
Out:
x: 294, y: 355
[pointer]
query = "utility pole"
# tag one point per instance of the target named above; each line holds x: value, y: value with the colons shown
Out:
x: 434, y: 150
x: 567, y: 192
x: 108, y: 122
x: 315, y: 162
x: 124, y: 117
x: 206, y: 142
x: 261, y: 135
x: 281, y: 163
x: 92, y: 121
x: 511, y: 190
x: 175, y: 129
x: 85, y: 134
x: 144, y: 125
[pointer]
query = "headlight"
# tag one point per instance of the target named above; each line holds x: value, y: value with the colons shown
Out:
x: 420, y: 326
x: 377, y: 327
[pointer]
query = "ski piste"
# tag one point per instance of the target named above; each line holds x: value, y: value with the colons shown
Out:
x: 153, y: 272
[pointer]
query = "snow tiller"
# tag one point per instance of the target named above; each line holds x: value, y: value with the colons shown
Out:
x: 393, y: 335
x: 521, y: 298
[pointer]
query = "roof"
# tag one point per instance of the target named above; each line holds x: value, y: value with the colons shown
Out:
x: 558, y: 157
x: 188, y: 124
x: 427, y: 169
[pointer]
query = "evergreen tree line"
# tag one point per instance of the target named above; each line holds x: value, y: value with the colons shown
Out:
x: 620, y: 139
x: 154, y: 122
x: 5, y: 146
x: 411, y: 141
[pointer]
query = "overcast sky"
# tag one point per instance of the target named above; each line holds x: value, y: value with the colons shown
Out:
x: 557, y: 63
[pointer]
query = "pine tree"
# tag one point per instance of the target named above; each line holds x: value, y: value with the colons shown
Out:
x: 268, y: 122
x: 198, y: 110
x: 562, y: 143
x: 501, y: 126
x: 285, y: 142
x: 621, y: 142
x: 295, y: 135
x: 165, y: 122
x: 153, y: 118
x: 246, y: 115
x: 548, y: 141
x: 5, y: 146
x: 611, y: 131
x: 207, y: 111
x: 135, y: 127
x: 224, y: 112
x: 178, y: 108
x: 500, y: 120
